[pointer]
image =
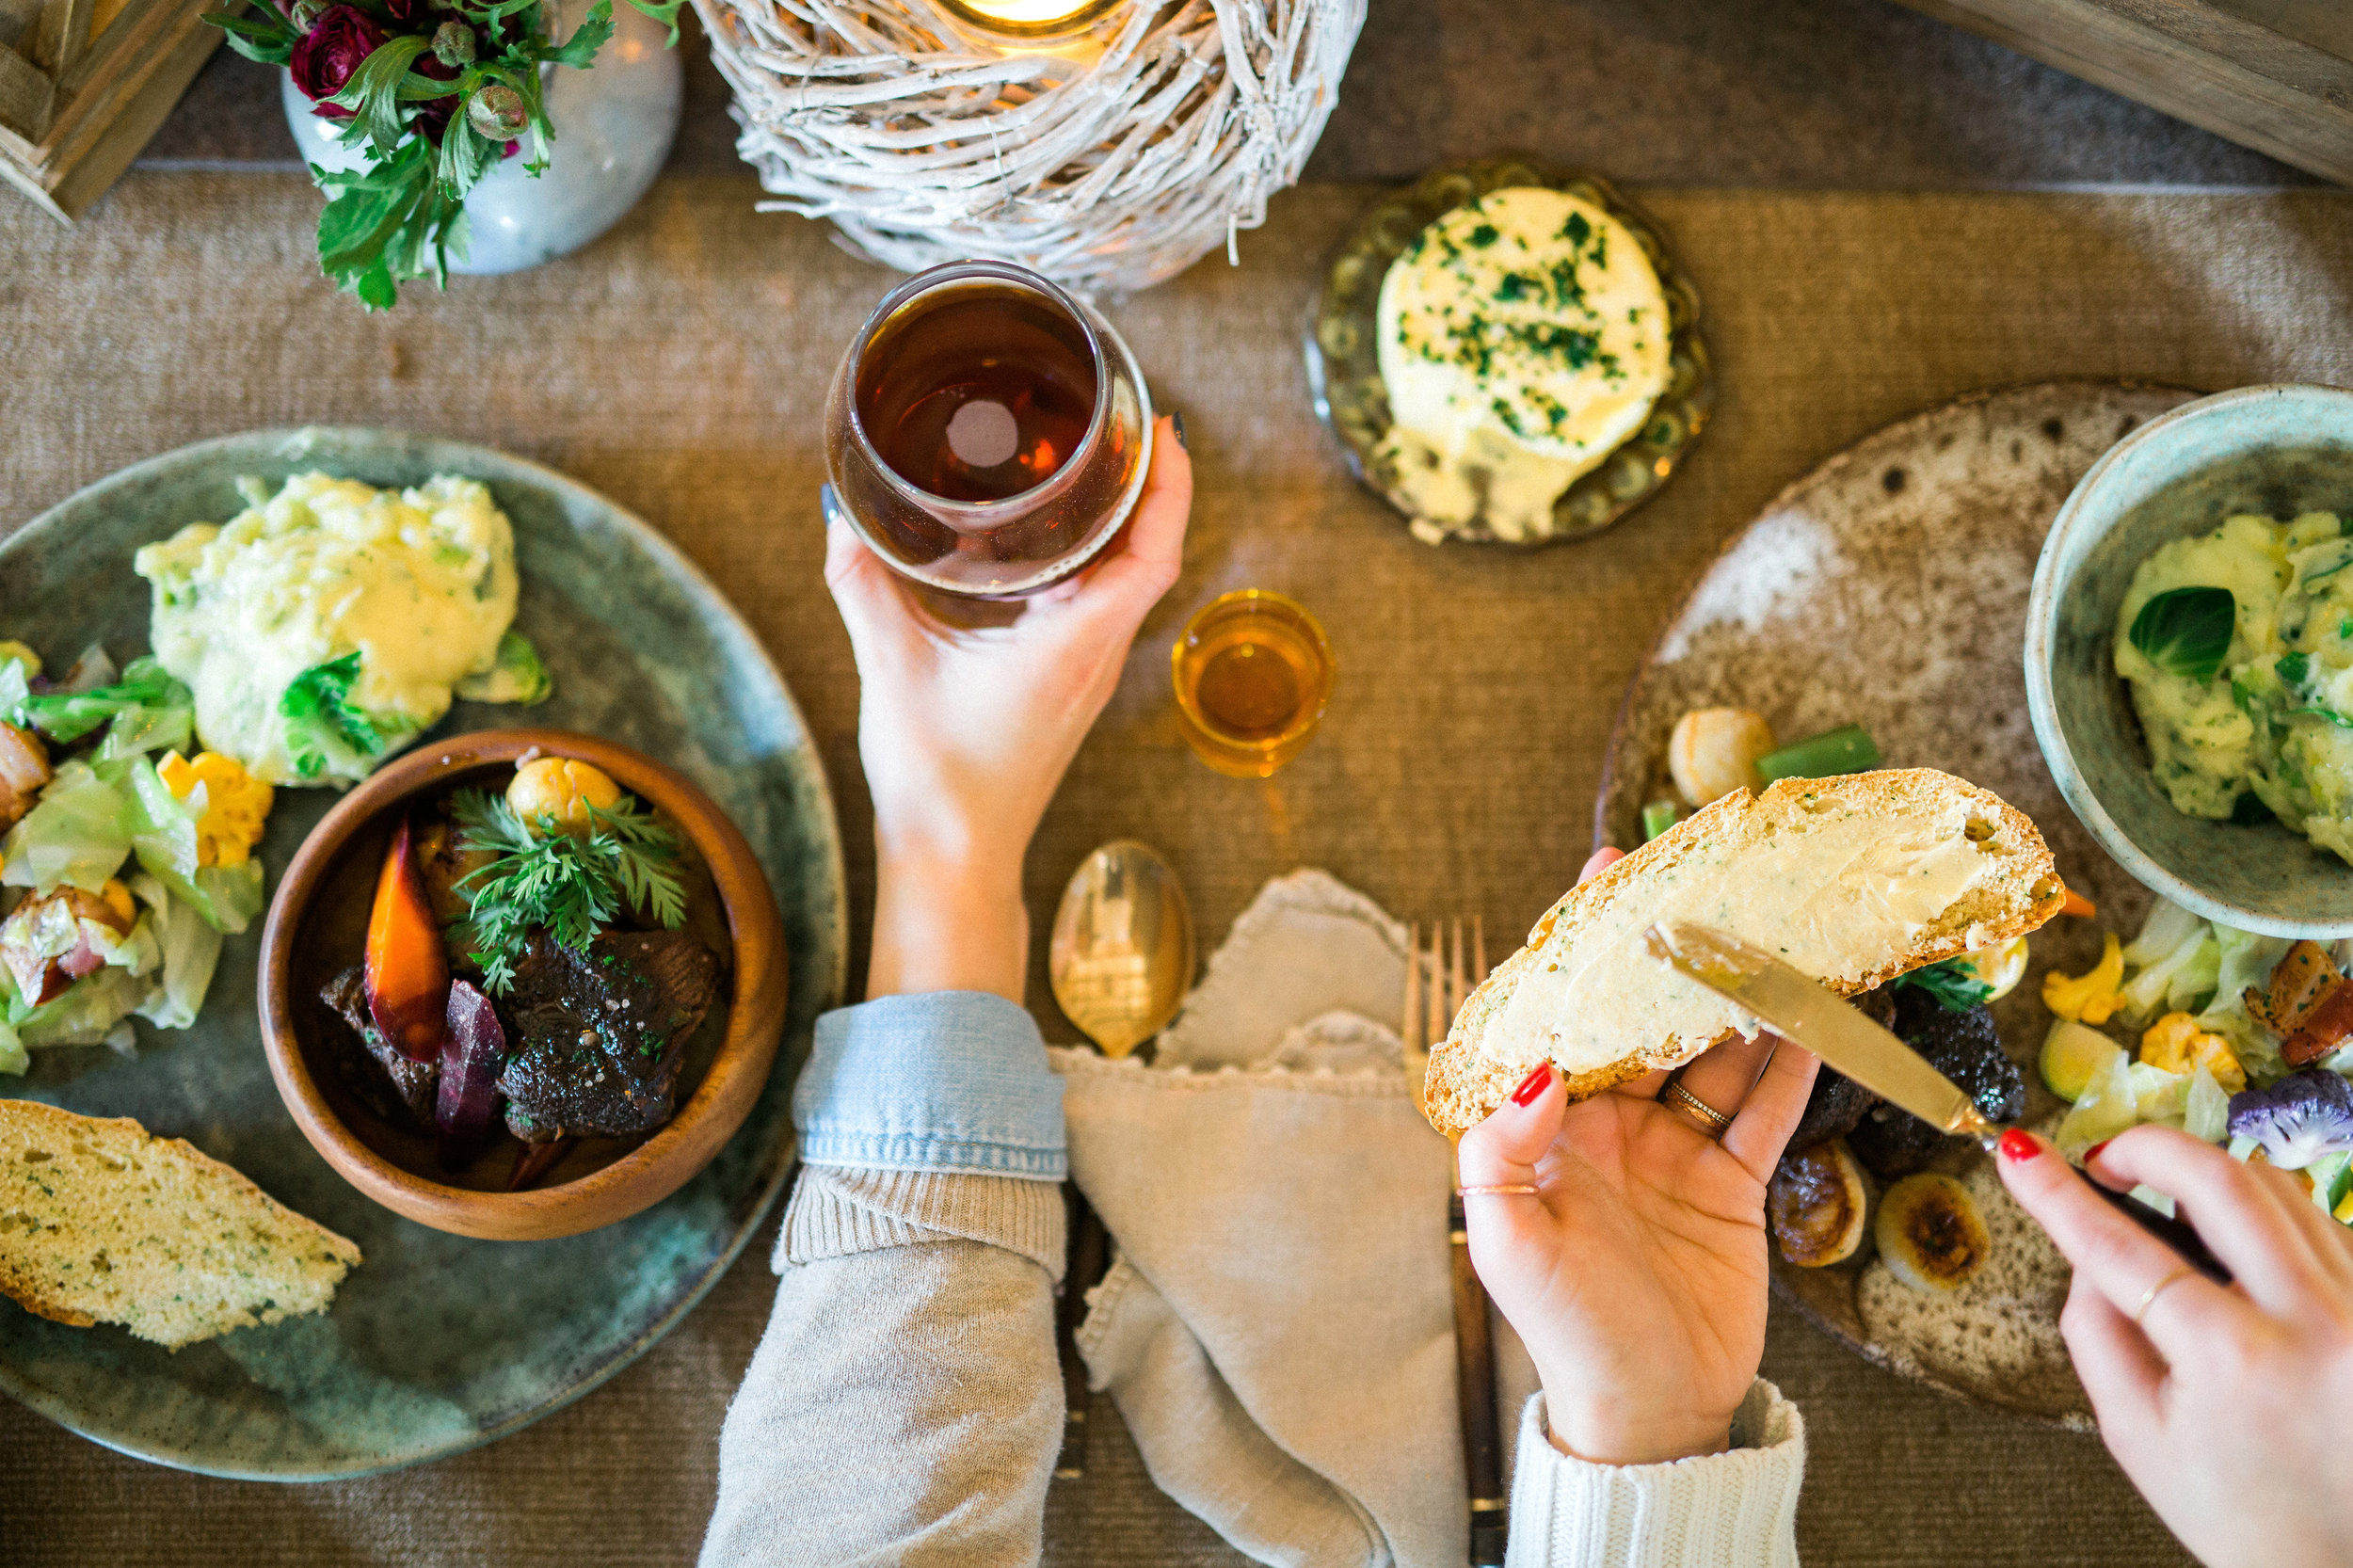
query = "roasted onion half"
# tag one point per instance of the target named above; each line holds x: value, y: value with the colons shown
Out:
x: 1819, y: 1202
x: 1930, y: 1233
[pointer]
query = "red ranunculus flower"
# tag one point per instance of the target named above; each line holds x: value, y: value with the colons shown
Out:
x: 412, y: 16
x: 326, y: 56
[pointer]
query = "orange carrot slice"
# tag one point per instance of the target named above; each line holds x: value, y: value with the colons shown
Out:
x: 407, y: 967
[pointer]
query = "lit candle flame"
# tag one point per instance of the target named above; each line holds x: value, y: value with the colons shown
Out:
x: 1030, y: 19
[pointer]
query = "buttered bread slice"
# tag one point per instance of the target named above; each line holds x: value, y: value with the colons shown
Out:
x: 1853, y: 880
x: 99, y: 1223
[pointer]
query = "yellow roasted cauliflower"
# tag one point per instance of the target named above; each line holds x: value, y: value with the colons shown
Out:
x: 2089, y: 998
x: 2177, y: 1044
x: 236, y: 803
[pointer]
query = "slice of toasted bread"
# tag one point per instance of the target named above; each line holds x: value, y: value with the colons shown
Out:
x: 1854, y: 880
x: 102, y: 1223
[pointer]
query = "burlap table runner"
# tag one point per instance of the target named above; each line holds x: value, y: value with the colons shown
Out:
x: 679, y: 365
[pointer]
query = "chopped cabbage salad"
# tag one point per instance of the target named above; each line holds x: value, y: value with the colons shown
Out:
x: 2205, y: 1047
x: 124, y: 861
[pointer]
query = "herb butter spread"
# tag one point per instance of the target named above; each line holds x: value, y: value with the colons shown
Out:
x: 2238, y: 645
x: 328, y: 625
x: 1523, y: 339
x: 1839, y: 896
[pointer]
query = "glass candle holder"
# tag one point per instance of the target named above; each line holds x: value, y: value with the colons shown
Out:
x: 987, y: 432
x: 1253, y: 673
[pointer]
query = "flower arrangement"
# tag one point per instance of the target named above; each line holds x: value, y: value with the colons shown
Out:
x: 436, y: 93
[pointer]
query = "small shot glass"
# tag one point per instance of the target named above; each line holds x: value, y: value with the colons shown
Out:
x: 1253, y: 673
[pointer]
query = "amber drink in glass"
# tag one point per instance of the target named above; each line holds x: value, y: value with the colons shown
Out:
x: 1253, y: 673
x: 987, y: 432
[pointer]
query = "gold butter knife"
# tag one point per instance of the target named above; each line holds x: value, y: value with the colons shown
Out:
x: 1799, y: 1009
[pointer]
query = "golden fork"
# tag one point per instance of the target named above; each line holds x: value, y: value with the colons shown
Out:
x: 1431, y: 1005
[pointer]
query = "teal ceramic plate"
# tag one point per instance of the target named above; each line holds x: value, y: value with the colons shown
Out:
x: 436, y: 1343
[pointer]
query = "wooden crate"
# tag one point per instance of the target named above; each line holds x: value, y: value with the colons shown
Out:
x: 2276, y: 75
x: 85, y: 83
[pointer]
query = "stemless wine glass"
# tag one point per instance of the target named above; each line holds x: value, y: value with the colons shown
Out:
x: 987, y: 432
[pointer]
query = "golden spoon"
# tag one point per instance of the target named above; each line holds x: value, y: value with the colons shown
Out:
x: 1122, y: 952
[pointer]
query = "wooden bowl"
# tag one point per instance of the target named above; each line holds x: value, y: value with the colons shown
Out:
x: 601, y: 1180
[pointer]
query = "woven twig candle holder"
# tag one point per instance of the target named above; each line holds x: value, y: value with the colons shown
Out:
x: 1108, y: 160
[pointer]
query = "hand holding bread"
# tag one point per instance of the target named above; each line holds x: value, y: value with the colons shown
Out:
x: 1635, y: 1274
x: 1635, y: 1268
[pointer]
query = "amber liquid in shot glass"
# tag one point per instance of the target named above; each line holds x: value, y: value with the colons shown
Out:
x: 1253, y: 673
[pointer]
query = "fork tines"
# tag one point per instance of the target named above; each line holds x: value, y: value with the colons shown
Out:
x: 1436, y: 983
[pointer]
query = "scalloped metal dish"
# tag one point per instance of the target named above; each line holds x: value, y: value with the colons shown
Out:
x: 1341, y: 346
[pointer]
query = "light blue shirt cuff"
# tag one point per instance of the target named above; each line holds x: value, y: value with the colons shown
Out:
x: 947, y: 1080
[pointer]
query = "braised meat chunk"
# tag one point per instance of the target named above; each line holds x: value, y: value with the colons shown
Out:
x: 394, y: 1084
x: 1838, y: 1102
x: 604, y: 1032
x: 1965, y: 1048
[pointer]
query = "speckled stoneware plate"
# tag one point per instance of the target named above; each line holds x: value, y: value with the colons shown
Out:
x: 1888, y: 588
x: 436, y: 1343
x: 1342, y: 348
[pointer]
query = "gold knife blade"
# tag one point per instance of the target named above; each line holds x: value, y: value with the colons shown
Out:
x: 1799, y: 1009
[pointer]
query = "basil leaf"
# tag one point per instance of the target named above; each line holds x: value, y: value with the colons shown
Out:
x: 1956, y: 989
x: 2186, y: 632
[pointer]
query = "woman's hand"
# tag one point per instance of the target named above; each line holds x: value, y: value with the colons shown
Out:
x: 2227, y: 1406
x: 1637, y: 1276
x: 966, y: 733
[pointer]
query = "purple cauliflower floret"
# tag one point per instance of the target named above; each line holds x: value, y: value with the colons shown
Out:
x: 2297, y: 1120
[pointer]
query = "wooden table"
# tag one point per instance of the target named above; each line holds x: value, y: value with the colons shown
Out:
x: 678, y: 365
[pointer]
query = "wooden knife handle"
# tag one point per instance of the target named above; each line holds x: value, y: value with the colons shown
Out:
x: 1475, y: 1399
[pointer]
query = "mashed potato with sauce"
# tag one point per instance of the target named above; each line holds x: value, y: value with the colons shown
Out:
x: 328, y: 625
x: 2275, y: 724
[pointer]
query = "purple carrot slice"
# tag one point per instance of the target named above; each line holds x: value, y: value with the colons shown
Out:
x: 472, y: 1053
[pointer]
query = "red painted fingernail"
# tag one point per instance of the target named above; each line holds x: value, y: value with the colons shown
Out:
x: 2093, y: 1153
x: 1533, y: 1084
x: 2017, y: 1145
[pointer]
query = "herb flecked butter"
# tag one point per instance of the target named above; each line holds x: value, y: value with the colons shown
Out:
x: 1523, y: 338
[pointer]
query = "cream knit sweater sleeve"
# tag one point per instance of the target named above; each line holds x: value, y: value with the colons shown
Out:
x: 1733, y: 1509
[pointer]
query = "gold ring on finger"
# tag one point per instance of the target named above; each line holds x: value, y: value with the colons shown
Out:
x: 2148, y: 1297
x: 1710, y: 1120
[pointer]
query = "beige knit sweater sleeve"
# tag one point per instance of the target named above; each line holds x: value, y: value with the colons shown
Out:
x: 904, y: 1407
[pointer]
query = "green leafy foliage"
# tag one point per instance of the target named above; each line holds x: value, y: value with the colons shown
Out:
x: 261, y: 34
x: 571, y: 885
x: 389, y: 224
x: 401, y: 218
x: 2186, y: 632
x: 663, y: 11
x: 1955, y: 987
x: 147, y: 709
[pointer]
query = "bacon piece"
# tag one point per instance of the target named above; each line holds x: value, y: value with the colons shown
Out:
x: 24, y: 769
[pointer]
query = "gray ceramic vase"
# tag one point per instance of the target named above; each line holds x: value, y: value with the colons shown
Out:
x: 2275, y: 451
x: 614, y: 126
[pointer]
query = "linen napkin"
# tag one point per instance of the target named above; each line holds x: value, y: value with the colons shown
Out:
x: 1277, y: 1326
